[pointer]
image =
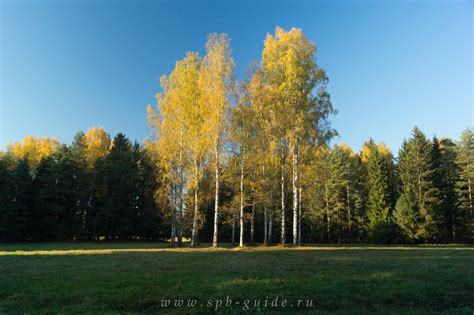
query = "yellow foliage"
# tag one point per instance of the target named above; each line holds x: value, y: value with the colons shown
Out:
x: 34, y: 149
x: 98, y: 144
x: 381, y: 147
x: 365, y: 153
x: 216, y: 83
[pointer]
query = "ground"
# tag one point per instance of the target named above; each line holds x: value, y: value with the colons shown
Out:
x: 144, y: 277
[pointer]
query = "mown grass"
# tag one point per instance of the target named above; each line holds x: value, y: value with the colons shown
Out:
x: 136, y: 277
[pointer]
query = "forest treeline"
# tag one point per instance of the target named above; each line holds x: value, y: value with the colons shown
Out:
x: 241, y: 162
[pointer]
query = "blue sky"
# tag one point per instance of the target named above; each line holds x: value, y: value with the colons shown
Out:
x: 70, y: 65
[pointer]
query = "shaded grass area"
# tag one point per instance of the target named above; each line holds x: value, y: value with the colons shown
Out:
x: 137, y: 277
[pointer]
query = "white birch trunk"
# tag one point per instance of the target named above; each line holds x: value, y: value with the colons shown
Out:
x: 216, y: 204
x: 181, y: 192
x: 252, y: 221
x: 299, y: 215
x: 241, y: 241
x: 252, y: 224
x: 233, y: 227
x: 173, y: 216
x: 283, y: 229
x: 195, y: 219
x: 295, y: 194
x: 265, y: 219
x: 270, y: 220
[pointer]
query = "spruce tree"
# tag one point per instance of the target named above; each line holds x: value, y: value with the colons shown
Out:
x: 328, y: 194
x: 47, y: 206
x: 378, y: 206
x: 379, y: 209
x: 117, y: 180
x: 452, y: 226
x: 149, y: 215
x: 465, y: 182
x: 81, y: 176
x: 68, y: 193
x: 416, y: 209
x: 9, y: 218
x: 23, y: 200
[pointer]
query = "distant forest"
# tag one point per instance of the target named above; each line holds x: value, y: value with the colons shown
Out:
x: 244, y: 162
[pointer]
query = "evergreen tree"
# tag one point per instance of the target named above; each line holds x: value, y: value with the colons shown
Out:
x: 379, y: 202
x: 117, y: 179
x: 10, y: 220
x: 69, y: 194
x: 328, y: 194
x: 47, y: 206
x: 465, y: 182
x: 416, y: 209
x: 23, y: 200
x: 81, y: 177
x: 149, y: 217
x: 447, y: 174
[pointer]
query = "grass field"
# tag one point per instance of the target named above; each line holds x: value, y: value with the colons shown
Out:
x: 144, y: 277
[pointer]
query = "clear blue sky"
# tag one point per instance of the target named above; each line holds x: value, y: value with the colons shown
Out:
x: 70, y: 65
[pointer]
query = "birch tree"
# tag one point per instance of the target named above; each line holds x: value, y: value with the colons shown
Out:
x: 242, y: 136
x: 217, y: 86
x: 98, y: 144
x: 301, y: 104
x: 182, y: 132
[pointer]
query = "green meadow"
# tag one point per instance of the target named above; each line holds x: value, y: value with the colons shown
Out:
x: 151, y: 277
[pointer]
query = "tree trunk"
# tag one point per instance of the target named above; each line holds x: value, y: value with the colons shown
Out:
x: 181, y: 192
x: 195, y: 220
x: 349, y: 213
x: 173, y: 216
x: 265, y: 220
x: 241, y: 241
x: 216, y: 204
x: 469, y: 189
x: 233, y: 227
x: 295, y: 194
x: 270, y: 219
x: 299, y: 216
x: 338, y: 224
x: 328, y: 218
x: 283, y: 230
x: 252, y: 221
x: 252, y: 224
x: 453, y: 228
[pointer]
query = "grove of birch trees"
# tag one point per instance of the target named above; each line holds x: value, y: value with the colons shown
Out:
x: 239, y: 161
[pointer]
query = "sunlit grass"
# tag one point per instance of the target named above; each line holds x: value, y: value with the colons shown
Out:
x: 111, y: 248
x: 131, y: 277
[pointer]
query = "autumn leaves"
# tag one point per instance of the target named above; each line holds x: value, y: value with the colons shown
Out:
x: 205, y: 119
